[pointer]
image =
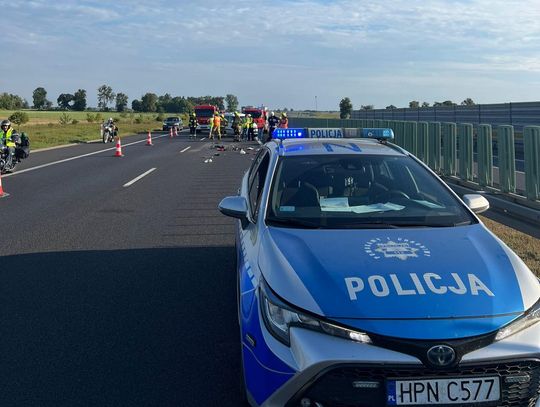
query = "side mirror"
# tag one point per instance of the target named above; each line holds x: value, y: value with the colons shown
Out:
x: 235, y: 207
x: 476, y: 203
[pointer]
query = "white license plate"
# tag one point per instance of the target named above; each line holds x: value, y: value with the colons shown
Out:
x: 443, y: 391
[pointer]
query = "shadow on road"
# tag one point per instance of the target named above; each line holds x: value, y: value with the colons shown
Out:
x: 148, y: 327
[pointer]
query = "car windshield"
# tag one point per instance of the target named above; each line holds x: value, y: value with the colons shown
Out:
x: 360, y: 191
x: 204, y: 112
x: 172, y: 119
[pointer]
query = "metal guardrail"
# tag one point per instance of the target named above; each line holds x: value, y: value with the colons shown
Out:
x: 452, y: 150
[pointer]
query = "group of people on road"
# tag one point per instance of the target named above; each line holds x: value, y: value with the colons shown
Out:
x: 244, y: 128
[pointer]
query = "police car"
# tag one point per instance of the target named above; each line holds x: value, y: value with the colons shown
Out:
x: 364, y: 280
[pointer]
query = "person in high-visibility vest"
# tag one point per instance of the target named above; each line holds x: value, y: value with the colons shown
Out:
x: 247, y: 126
x: 192, y: 125
x: 283, y: 122
x: 216, y: 126
x: 7, y: 135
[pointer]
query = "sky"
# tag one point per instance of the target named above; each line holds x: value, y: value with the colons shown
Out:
x: 299, y: 54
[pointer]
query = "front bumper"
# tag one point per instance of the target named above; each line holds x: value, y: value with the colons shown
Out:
x: 327, y: 369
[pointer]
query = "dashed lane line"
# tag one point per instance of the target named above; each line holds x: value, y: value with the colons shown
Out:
x: 134, y: 180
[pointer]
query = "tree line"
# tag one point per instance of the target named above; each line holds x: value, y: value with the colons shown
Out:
x: 109, y: 100
x: 346, y: 107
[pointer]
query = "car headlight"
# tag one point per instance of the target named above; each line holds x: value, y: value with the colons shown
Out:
x: 280, y: 317
x: 531, y: 317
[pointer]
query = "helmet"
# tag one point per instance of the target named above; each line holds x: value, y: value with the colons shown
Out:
x: 193, y: 114
x: 5, y: 123
x: 284, y: 114
x: 248, y: 115
x: 236, y: 114
x: 272, y: 114
x: 111, y: 119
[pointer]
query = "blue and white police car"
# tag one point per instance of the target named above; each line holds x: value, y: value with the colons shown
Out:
x: 364, y: 280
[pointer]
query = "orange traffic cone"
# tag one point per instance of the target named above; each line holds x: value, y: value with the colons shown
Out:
x: 2, y: 193
x: 118, y: 148
x: 171, y: 133
x: 175, y: 132
x: 149, y: 139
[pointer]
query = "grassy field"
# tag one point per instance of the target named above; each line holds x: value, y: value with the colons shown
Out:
x: 44, y: 128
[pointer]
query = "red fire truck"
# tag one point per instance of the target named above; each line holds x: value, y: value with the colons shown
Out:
x: 258, y: 114
x: 203, y: 113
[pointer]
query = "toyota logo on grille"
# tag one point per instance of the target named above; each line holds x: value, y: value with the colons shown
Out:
x: 441, y: 355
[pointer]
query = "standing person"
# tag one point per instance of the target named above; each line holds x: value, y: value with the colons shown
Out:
x: 6, y: 139
x: 192, y: 125
x: 211, y: 124
x: 273, y: 122
x: 237, y: 126
x: 283, y: 122
x: 216, y: 126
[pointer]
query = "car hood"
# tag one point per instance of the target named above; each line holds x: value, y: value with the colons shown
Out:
x: 427, y: 283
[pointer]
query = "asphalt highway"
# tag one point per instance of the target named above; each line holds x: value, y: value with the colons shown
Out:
x: 114, y: 295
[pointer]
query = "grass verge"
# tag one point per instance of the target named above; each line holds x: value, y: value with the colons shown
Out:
x: 525, y: 246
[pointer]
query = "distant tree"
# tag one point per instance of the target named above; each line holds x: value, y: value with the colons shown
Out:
x: 105, y: 96
x: 468, y: 102
x: 40, y: 98
x: 345, y: 108
x: 425, y: 104
x: 232, y: 102
x: 414, y: 104
x: 121, y: 101
x: 448, y: 103
x: 79, y: 100
x: 149, y: 102
x: 11, y: 102
x: 367, y: 107
x: 181, y: 105
x: 64, y: 101
x: 391, y: 107
x: 19, y: 118
x: 136, y: 105
x: 164, y: 103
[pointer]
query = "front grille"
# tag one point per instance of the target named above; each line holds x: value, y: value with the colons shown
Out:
x: 333, y: 387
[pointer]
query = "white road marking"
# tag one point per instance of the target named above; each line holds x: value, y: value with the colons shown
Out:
x: 71, y: 159
x: 203, y: 138
x: 185, y: 149
x: 134, y: 180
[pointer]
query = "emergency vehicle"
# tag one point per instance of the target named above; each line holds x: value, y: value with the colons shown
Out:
x: 203, y: 113
x: 259, y: 116
x: 364, y: 280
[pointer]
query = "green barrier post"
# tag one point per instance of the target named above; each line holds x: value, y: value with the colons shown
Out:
x: 434, y: 146
x: 422, y: 150
x: 465, y: 137
x: 531, y: 145
x: 449, y: 140
x: 507, y: 158
x: 485, y: 155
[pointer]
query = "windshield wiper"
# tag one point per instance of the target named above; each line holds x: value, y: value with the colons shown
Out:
x: 294, y: 223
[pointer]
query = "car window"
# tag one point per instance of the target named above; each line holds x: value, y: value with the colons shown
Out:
x: 358, y: 190
x: 256, y: 181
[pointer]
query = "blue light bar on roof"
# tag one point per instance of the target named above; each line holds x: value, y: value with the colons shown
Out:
x: 379, y: 134
x: 283, y: 134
